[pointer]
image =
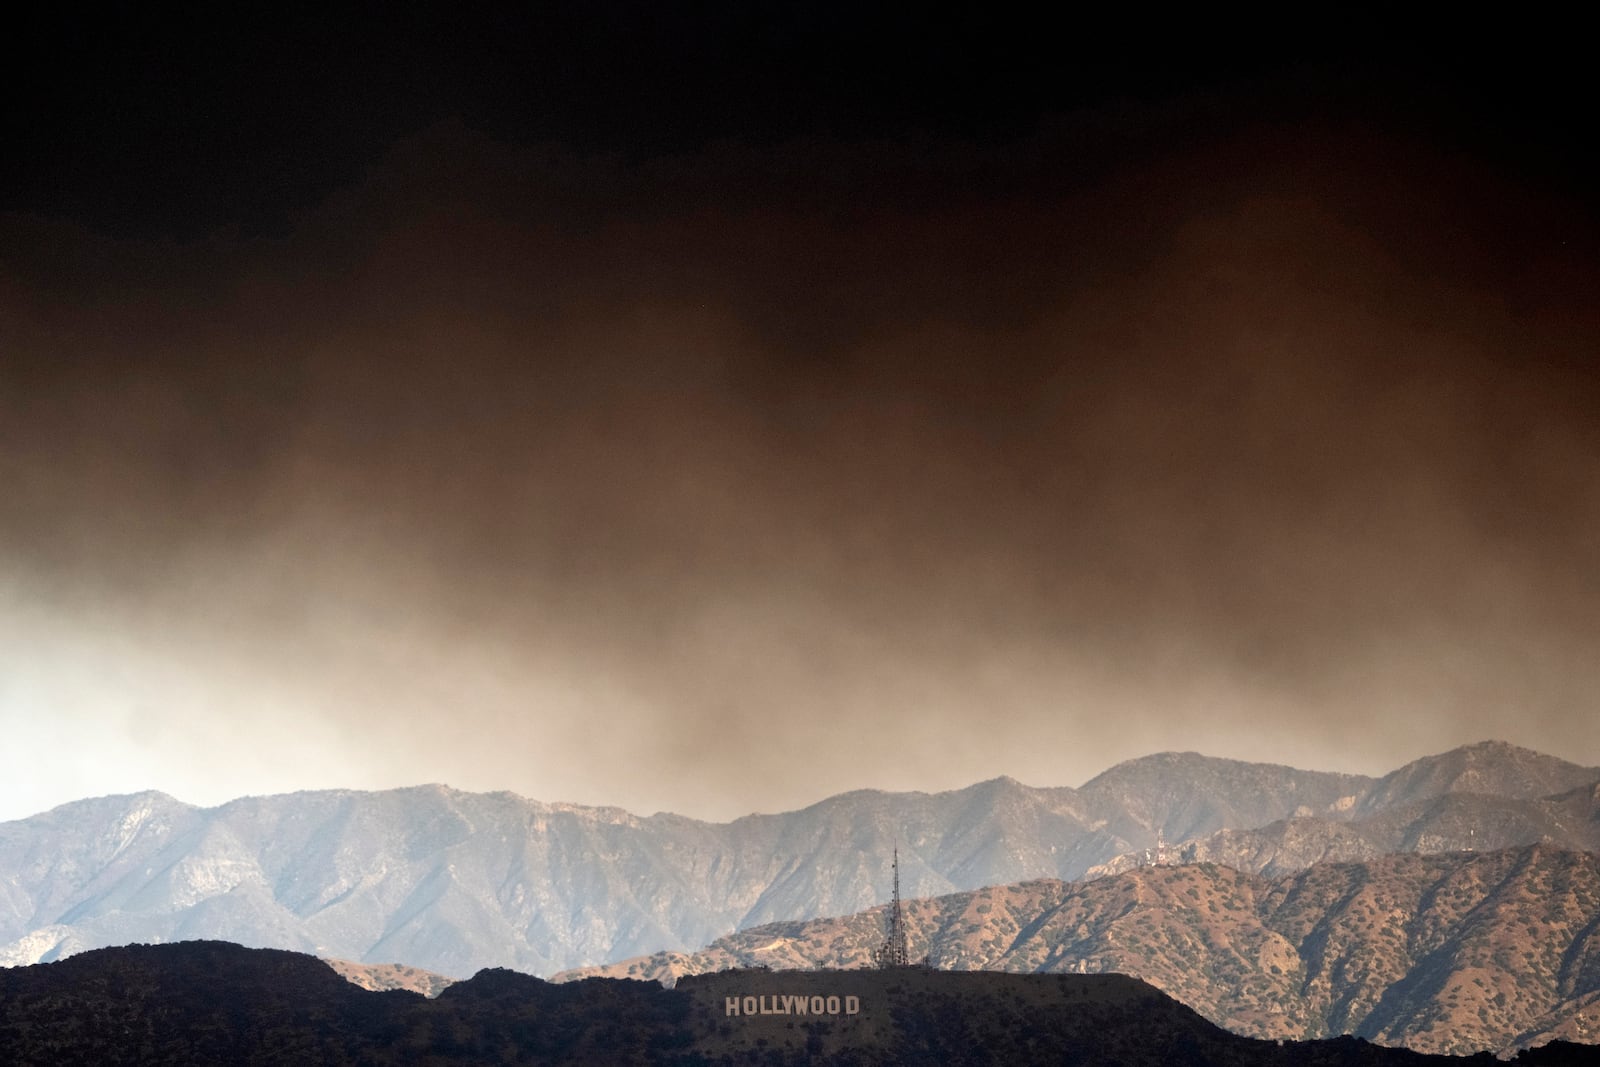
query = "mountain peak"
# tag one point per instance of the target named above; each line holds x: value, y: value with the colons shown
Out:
x: 1003, y: 783
x: 1494, y: 748
x: 144, y: 800
x: 1489, y: 766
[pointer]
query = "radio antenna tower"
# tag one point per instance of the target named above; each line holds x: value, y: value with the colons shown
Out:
x: 893, y: 952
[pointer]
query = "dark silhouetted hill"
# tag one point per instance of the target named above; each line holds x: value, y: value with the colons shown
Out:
x: 213, y: 1002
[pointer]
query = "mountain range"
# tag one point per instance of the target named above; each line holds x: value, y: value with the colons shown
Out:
x: 1455, y: 952
x: 455, y: 882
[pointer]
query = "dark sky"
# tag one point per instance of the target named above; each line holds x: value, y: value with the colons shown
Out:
x: 712, y: 410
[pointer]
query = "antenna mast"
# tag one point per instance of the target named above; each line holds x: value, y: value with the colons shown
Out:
x: 894, y: 952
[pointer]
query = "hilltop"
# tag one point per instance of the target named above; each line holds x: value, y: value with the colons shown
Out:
x: 216, y: 1002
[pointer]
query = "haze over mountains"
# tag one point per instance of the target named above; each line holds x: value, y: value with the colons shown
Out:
x: 454, y: 882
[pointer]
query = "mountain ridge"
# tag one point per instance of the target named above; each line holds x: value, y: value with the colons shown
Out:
x: 452, y: 881
x: 1473, y: 821
x: 1446, y: 953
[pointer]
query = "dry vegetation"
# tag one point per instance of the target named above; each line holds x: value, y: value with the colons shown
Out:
x: 1455, y: 952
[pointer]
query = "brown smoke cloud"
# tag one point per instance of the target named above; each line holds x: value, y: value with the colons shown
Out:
x: 726, y: 482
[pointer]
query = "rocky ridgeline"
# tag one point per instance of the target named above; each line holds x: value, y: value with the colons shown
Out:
x: 1455, y: 952
x: 453, y: 882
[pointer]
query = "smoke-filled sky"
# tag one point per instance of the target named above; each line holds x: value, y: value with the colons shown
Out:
x: 711, y: 418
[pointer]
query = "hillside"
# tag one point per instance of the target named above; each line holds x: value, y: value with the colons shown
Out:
x: 211, y: 1002
x: 384, y: 976
x: 1455, y: 952
x: 1453, y: 821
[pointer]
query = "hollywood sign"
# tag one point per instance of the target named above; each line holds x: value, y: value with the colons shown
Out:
x: 784, y: 1004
